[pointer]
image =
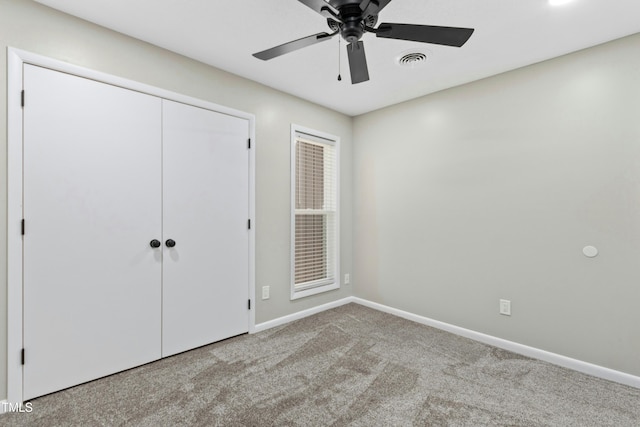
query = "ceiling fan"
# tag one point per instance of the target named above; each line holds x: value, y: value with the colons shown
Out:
x: 352, y: 18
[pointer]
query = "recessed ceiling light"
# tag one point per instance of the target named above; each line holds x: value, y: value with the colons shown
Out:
x: 559, y: 2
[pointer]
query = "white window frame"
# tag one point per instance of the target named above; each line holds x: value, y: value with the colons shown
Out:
x: 321, y: 286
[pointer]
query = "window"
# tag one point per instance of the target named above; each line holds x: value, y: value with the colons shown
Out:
x: 314, y: 212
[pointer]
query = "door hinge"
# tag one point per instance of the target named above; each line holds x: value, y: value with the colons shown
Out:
x: 22, y: 357
x: 22, y: 227
x: 249, y: 304
x: 22, y: 98
x: 249, y: 224
x: 249, y: 143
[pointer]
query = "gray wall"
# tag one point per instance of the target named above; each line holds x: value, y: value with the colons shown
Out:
x: 30, y: 26
x: 492, y: 189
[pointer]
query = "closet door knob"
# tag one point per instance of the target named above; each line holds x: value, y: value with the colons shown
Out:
x: 155, y: 243
x: 170, y: 243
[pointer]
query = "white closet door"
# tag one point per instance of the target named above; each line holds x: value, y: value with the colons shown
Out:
x: 92, y: 203
x: 206, y: 208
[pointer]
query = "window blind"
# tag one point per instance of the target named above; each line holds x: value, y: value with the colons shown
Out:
x: 315, y: 212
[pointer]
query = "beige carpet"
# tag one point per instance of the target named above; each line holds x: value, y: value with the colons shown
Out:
x: 347, y: 366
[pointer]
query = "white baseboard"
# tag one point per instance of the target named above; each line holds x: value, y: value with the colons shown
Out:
x: 301, y: 314
x: 535, y: 353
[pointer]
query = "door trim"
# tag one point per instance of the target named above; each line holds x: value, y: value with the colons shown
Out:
x: 16, y: 58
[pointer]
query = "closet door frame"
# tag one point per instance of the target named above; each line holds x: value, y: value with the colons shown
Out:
x: 16, y: 59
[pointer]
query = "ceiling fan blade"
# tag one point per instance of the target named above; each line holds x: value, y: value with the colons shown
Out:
x: 364, y: 4
x: 357, y: 63
x: 382, y: 4
x: 291, y: 46
x: 370, y: 7
x: 448, y: 36
x: 319, y: 6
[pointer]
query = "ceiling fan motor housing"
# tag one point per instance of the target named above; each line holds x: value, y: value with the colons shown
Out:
x: 352, y: 27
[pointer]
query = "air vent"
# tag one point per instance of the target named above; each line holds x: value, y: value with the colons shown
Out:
x: 412, y: 59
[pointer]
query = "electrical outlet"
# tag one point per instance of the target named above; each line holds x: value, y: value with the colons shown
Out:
x: 505, y: 307
x: 265, y: 292
x: 347, y: 279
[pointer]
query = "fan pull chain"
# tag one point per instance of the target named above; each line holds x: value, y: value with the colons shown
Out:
x: 339, y: 76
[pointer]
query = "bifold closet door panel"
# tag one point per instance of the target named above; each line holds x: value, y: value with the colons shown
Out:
x: 206, y: 208
x: 92, y: 204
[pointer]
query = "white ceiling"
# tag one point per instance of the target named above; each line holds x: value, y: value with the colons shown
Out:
x: 508, y: 34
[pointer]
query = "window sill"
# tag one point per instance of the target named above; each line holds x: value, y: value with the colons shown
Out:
x: 314, y: 291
